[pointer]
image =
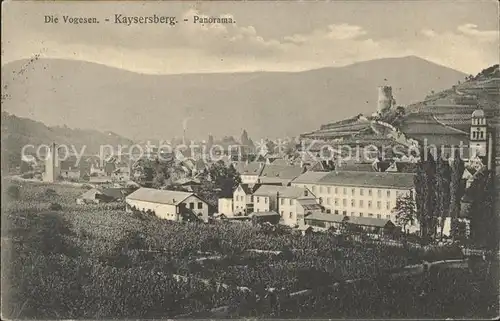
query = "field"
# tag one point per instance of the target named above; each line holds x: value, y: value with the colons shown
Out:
x: 98, y: 261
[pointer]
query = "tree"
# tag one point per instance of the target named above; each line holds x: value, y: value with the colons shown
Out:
x: 425, y: 195
x: 483, y: 220
x: 405, y: 210
x: 219, y: 181
x: 153, y: 172
x: 158, y: 180
x: 270, y: 146
x: 442, y: 190
x: 457, y: 189
x: 13, y: 192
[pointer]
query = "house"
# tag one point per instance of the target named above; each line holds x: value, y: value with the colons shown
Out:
x: 74, y: 168
x: 291, y: 203
x: 360, y: 194
x: 188, y: 183
x: 280, y: 174
x: 250, y: 172
x: 117, y: 193
x: 194, y: 166
x: 470, y: 174
x: 243, y: 199
x: 121, y: 173
x: 225, y: 206
x: 103, y: 195
x: 167, y: 204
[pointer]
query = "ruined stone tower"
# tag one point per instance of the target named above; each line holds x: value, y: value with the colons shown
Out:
x: 385, y: 99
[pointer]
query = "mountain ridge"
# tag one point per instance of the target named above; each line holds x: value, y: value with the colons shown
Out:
x: 17, y: 132
x: 270, y: 104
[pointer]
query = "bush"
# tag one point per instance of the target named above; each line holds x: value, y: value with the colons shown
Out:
x: 50, y: 192
x: 14, y: 191
x: 55, y: 207
x: 28, y: 175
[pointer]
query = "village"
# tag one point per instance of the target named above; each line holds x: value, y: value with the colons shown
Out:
x: 250, y: 160
x: 289, y: 187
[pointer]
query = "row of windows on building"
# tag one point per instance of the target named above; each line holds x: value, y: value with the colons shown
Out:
x: 283, y: 201
x: 200, y: 205
x: 360, y: 214
x: 478, y: 134
x: 290, y: 215
x: 361, y: 203
x: 351, y: 191
x: 478, y: 121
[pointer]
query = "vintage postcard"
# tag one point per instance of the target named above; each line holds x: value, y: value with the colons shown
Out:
x: 250, y: 160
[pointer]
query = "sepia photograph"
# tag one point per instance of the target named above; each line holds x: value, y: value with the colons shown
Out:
x: 250, y: 160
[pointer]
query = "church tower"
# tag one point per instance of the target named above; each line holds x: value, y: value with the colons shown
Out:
x: 478, y: 134
x: 52, y: 168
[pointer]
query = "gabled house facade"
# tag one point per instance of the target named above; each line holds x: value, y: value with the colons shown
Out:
x: 290, y: 202
x: 243, y: 199
x: 170, y: 205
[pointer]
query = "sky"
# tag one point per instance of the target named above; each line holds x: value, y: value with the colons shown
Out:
x: 266, y: 36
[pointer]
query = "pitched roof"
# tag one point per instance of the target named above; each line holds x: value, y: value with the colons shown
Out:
x: 281, y: 171
x: 368, y: 179
x: 365, y: 221
x: 114, y: 192
x: 284, y: 191
x: 310, y: 204
x: 322, y: 166
x: 90, y: 194
x: 309, y: 177
x: 260, y: 214
x: 369, y: 221
x: 281, y: 161
x: 187, y: 180
x: 406, y: 167
x: 248, y: 189
x: 159, y: 196
x: 253, y: 168
x: 357, y: 167
x: 319, y: 216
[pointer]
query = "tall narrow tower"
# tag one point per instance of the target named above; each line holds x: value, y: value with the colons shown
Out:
x: 52, y: 168
x: 385, y: 99
x: 478, y: 134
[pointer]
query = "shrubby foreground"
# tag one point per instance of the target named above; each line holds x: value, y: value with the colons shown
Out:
x: 99, y: 261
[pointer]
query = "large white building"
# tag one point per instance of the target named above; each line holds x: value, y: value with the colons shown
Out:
x: 358, y: 194
x: 170, y: 205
